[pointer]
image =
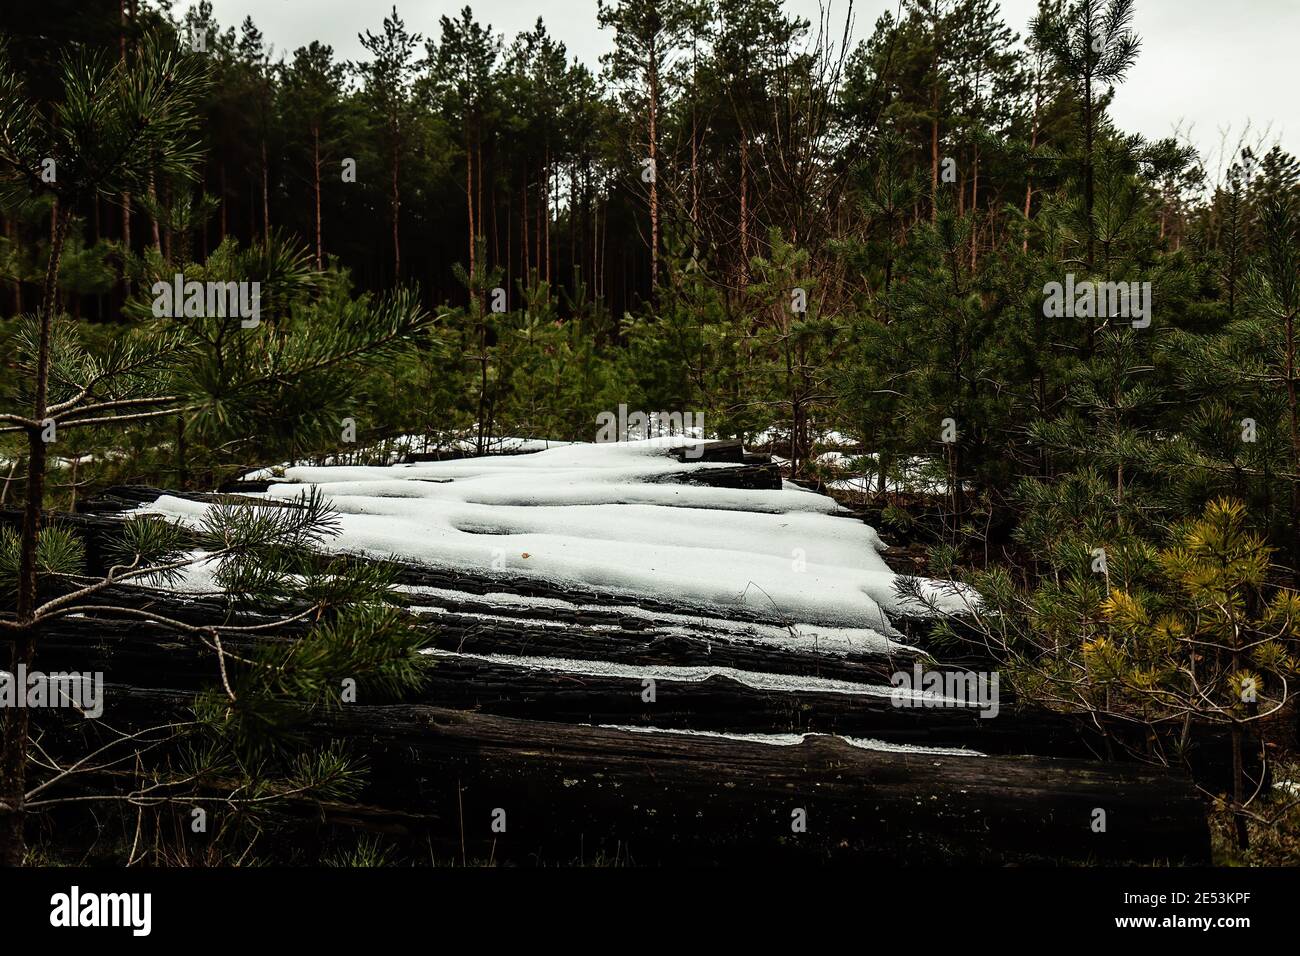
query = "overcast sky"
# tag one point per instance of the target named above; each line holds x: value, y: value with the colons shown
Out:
x: 1213, y: 65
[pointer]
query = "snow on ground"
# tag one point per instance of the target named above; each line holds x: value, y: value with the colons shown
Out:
x: 495, y: 445
x: 602, y: 516
x: 844, y: 467
x: 861, y: 474
x: 59, y: 464
x: 404, y: 445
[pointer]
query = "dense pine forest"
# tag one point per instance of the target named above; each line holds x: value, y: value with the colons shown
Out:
x: 1051, y: 361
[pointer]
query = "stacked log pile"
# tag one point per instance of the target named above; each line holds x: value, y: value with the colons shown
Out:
x: 590, y: 724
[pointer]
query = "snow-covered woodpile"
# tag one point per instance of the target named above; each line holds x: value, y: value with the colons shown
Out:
x: 630, y: 522
x: 661, y: 649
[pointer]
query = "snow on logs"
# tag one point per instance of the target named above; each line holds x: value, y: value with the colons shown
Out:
x: 557, y: 586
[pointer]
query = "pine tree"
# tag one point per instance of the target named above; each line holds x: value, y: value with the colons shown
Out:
x: 117, y: 125
x: 311, y: 88
x: 387, y: 87
x: 462, y: 68
x: 1244, y: 378
x: 1093, y: 45
x: 647, y: 36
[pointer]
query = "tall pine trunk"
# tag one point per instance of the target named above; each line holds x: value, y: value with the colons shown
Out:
x: 974, y: 209
x: 1293, y: 414
x: 469, y: 194
x: 126, y: 196
x: 653, y: 83
x: 396, y: 205
x: 154, y: 233
x: 744, y: 210
x: 546, y: 231
x: 13, y: 754
x: 479, y: 229
x: 1033, y: 145
x: 266, y: 196
x: 934, y: 112
x: 315, y: 152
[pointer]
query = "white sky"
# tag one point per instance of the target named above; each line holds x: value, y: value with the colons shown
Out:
x: 1214, y: 65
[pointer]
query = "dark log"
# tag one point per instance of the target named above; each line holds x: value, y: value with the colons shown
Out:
x: 652, y: 798
x: 487, y: 734
x: 140, y: 654
x: 753, y: 477
x: 731, y: 451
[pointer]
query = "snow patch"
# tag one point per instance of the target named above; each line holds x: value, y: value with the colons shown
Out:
x: 793, y: 740
x: 603, y: 516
